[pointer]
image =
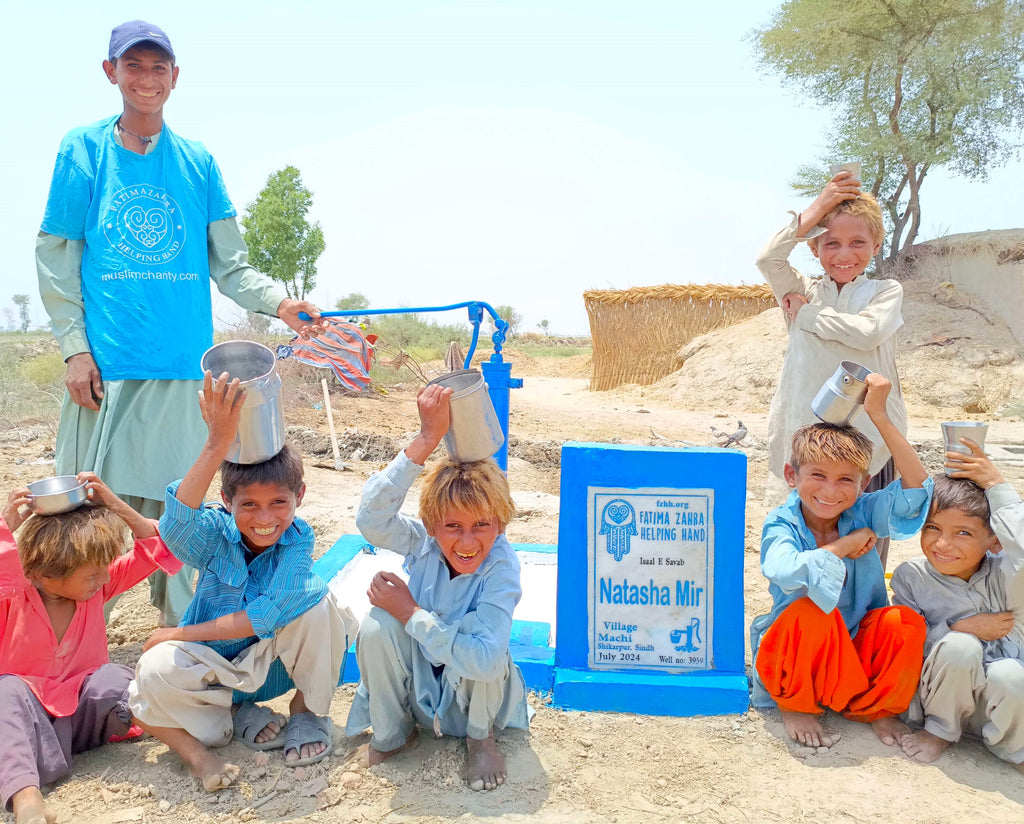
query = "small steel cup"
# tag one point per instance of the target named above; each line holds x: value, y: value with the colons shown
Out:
x: 842, y: 396
x: 953, y: 431
x: 853, y: 168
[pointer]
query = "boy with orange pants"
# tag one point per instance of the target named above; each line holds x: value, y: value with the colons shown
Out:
x: 831, y: 640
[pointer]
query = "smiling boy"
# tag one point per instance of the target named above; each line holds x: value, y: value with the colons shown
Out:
x: 261, y: 621
x: 831, y: 640
x: 434, y: 652
x: 970, y: 590
x: 844, y: 315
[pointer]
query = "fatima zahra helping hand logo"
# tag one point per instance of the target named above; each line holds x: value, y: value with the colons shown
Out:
x: 618, y: 523
x: 144, y: 224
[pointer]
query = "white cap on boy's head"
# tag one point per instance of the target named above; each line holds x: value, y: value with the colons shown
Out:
x: 132, y: 33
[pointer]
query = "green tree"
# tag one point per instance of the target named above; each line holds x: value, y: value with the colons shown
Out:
x: 21, y: 301
x: 510, y: 316
x: 353, y: 301
x: 914, y: 84
x: 543, y: 326
x: 283, y: 244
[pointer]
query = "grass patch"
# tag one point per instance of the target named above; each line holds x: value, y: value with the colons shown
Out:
x: 534, y: 350
x: 31, y: 381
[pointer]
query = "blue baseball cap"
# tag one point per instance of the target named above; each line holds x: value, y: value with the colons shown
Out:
x: 132, y: 33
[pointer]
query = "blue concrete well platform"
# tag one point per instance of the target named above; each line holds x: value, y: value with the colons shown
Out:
x: 351, y: 562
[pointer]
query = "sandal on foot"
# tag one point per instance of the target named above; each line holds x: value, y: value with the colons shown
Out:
x: 250, y: 721
x: 307, y: 728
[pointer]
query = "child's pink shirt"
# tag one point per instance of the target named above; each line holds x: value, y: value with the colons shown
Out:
x: 28, y: 644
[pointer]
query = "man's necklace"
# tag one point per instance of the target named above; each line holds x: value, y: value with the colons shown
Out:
x: 141, y: 138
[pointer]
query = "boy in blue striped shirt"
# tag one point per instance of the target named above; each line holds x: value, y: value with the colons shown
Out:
x: 261, y: 620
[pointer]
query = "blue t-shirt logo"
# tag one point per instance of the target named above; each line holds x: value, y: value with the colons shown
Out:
x: 145, y: 267
x: 144, y: 224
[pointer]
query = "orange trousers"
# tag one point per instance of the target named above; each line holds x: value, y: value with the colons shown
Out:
x: 807, y: 661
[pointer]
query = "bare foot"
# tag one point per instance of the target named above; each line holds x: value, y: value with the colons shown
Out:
x: 923, y: 746
x: 29, y: 807
x: 273, y: 729
x: 485, y: 768
x: 806, y: 729
x: 369, y: 757
x: 214, y: 773
x: 890, y: 730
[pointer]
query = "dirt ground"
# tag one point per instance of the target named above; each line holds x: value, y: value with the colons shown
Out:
x: 576, y: 766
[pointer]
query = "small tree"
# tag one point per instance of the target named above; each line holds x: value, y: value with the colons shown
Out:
x: 258, y: 323
x: 353, y: 302
x: 21, y: 301
x: 283, y: 244
x: 510, y: 316
x: 543, y: 326
x: 913, y: 84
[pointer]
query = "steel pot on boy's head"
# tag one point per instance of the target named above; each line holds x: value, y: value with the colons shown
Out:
x: 261, y: 425
x: 62, y: 493
x: 842, y: 395
x: 474, y: 432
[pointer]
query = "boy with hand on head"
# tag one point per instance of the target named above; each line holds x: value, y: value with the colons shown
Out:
x: 59, y: 693
x: 842, y: 316
x: 830, y: 640
x: 261, y: 621
x: 435, y: 652
x: 969, y: 586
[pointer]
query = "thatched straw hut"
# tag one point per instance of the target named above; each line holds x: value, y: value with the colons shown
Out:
x: 637, y: 333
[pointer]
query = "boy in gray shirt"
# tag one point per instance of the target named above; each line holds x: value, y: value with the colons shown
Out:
x: 970, y: 590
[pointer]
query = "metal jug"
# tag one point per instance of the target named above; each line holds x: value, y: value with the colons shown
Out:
x: 475, y: 432
x: 842, y: 395
x: 261, y: 426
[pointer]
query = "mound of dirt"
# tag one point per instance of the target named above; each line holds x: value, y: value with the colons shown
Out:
x: 954, y: 356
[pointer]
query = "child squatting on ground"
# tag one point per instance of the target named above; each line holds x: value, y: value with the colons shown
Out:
x: 844, y: 315
x: 261, y: 620
x: 969, y: 586
x: 435, y: 652
x: 59, y: 693
x: 831, y: 640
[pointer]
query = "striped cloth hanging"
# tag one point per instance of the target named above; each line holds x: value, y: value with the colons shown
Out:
x: 341, y: 347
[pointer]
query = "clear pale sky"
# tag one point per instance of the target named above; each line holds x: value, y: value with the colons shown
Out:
x: 513, y: 152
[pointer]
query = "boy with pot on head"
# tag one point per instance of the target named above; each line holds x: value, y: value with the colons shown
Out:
x: 844, y: 315
x: 137, y: 223
x: 831, y: 641
x: 59, y: 693
x: 969, y: 586
x: 434, y: 652
x: 261, y: 621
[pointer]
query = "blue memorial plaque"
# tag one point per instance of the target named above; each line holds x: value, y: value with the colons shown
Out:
x: 651, y: 582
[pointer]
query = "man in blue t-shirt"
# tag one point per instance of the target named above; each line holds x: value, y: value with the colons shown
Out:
x: 137, y: 223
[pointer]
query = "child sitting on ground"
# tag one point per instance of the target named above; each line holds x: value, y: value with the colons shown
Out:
x: 844, y: 315
x: 59, y: 693
x: 969, y: 587
x: 830, y: 639
x: 261, y: 620
x: 435, y: 652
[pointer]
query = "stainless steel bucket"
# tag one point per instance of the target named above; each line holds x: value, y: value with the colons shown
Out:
x: 475, y: 432
x: 842, y: 395
x: 261, y: 427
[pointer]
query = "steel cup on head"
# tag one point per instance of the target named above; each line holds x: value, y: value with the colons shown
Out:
x: 852, y: 167
x: 953, y: 431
